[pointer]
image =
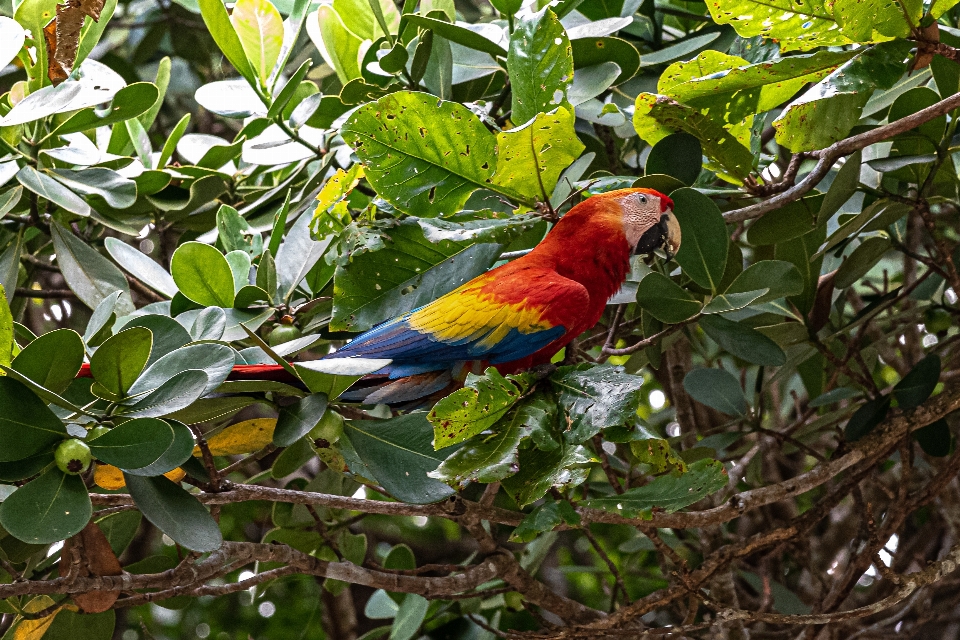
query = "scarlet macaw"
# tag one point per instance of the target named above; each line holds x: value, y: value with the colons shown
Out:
x: 522, y: 313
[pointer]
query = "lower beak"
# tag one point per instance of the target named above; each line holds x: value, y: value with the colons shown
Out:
x: 671, y: 240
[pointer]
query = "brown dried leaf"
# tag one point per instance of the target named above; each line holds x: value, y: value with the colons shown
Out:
x: 55, y: 70
x: 96, y: 559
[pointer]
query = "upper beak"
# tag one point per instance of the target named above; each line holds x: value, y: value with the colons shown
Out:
x: 671, y: 240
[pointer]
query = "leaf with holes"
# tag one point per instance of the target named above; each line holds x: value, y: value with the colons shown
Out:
x: 540, y: 62
x: 478, y: 406
x: 531, y: 158
x: 595, y: 397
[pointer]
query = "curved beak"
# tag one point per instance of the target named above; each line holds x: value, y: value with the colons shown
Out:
x: 671, y: 241
x: 663, y: 235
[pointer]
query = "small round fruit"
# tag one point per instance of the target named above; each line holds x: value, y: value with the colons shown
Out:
x: 283, y: 333
x: 96, y: 432
x: 329, y: 429
x: 937, y: 320
x: 73, y: 456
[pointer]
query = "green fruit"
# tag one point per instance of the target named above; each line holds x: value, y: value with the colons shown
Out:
x: 328, y: 430
x: 73, y: 456
x: 96, y: 432
x: 937, y: 320
x: 283, y: 333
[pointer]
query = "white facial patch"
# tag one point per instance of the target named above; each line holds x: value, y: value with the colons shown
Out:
x: 640, y: 212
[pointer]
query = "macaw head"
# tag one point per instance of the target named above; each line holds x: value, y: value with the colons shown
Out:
x: 647, y: 219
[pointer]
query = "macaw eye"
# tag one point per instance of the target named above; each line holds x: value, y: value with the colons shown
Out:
x: 643, y: 199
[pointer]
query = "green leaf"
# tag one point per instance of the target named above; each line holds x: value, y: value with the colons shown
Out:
x: 179, y: 392
x: 88, y: 274
x: 133, y: 444
x: 530, y: 158
x: 858, y: 263
x: 410, y: 616
x: 703, y: 252
x: 179, y: 451
x: 780, y: 278
x: 75, y: 625
x: 545, y: 518
x: 118, y: 192
x: 478, y: 227
x: 935, y: 438
x: 202, y: 274
x: 11, y: 40
x: 665, y: 299
x: 218, y: 24
x: 870, y: 414
x: 6, y: 330
x: 655, y: 117
x: 141, y: 266
x: 800, y: 252
x: 875, y: 20
x: 668, y: 493
x: 561, y: 467
x: 236, y: 234
x: 29, y: 427
x: 443, y: 149
x: 381, y: 606
x: 844, y: 185
x: 168, y: 334
x: 49, y: 189
x: 215, y: 360
x: 458, y: 34
x: 476, y: 407
x: 540, y: 63
x: 259, y: 28
x: 410, y: 272
x: 340, y: 47
x: 130, y: 102
x: 657, y: 453
x: 918, y: 384
x: 399, y: 453
x: 50, y: 508
x: 678, y: 155
x: 718, y: 389
x: 793, y: 26
x: 297, y: 419
x: 595, y: 397
x: 727, y: 302
x: 52, y: 360
x: 742, y: 341
x: 175, y: 512
x: 588, y: 52
x: 731, y: 90
x: 828, y: 111
x: 120, y: 529
x: 118, y: 362
x: 490, y: 458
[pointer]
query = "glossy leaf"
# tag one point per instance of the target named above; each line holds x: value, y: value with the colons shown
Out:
x: 424, y: 155
x: 476, y: 407
x: 542, y: 470
x: 259, y: 28
x: 399, y: 453
x: 297, y: 419
x: 177, y: 393
x: 52, y: 507
x: 175, y: 512
x: 530, y: 158
x: 121, y: 358
x: 665, y: 300
x: 91, y: 276
x: 870, y: 414
x: 202, y: 274
x: 215, y: 360
x: 668, y: 493
x: 52, y: 360
x: 29, y: 429
x: 595, y: 397
x: 49, y: 189
x: 220, y: 27
x: 133, y: 444
x: 742, y: 341
x: 540, y: 62
x: 778, y: 277
x: 141, y: 267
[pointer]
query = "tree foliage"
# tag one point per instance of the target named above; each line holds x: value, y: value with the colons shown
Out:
x: 756, y: 438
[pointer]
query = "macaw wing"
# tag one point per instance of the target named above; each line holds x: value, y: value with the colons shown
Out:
x: 474, y: 322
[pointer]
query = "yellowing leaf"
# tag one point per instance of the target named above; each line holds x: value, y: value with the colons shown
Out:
x: 334, y: 191
x: 244, y: 437
x: 111, y: 478
x: 108, y: 477
x: 260, y: 29
x: 6, y: 331
x: 34, y: 629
